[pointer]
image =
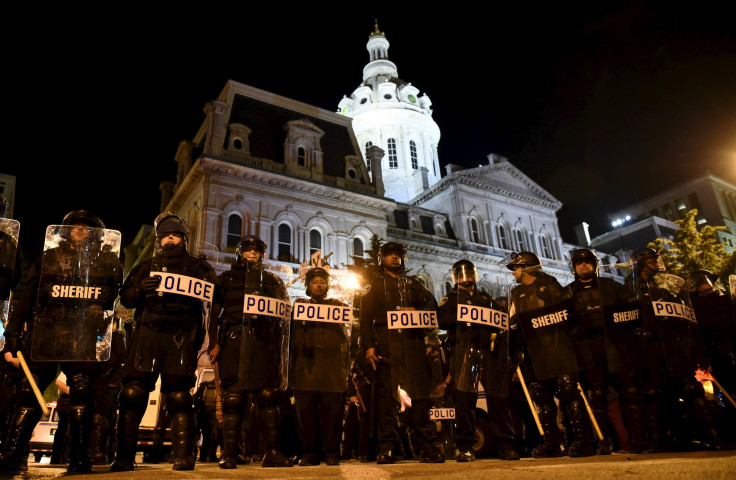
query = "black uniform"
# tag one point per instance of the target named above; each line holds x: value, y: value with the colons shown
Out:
x: 174, y: 324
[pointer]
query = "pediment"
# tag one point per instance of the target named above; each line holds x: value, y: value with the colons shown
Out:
x: 507, y: 180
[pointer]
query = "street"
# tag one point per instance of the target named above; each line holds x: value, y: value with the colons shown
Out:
x: 670, y: 466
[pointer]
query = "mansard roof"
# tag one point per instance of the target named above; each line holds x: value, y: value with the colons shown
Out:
x: 500, y: 178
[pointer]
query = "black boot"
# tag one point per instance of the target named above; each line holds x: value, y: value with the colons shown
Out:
x: 550, y: 446
x: 98, y: 443
x: 19, y: 435
x: 269, y: 425
x: 582, y: 445
x: 127, y: 441
x: 181, y: 440
x: 80, y: 427
x: 230, y: 439
x: 633, y: 413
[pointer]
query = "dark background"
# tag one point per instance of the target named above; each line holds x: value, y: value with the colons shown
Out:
x: 601, y: 105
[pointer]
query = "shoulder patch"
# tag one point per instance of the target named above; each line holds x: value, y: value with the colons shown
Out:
x: 443, y: 301
x: 366, y: 289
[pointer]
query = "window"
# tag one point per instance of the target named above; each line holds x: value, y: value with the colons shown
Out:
x: 284, y: 254
x: 315, y: 242
x: 414, y: 158
x: 681, y: 208
x: 474, y: 234
x: 367, y: 158
x: 667, y: 212
x: 358, y: 248
x: 234, y: 231
x: 393, y: 159
x: 544, y: 243
x: 520, y: 240
x: 503, y: 239
x: 301, y: 156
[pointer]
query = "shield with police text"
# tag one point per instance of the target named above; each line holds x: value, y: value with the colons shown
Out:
x: 414, y: 345
x: 677, y: 326
x: 264, y: 344
x: 173, y: 322
x: 78, y: 283
x: 481, y: 345
x: 549, y: 334
x: 9, y: 230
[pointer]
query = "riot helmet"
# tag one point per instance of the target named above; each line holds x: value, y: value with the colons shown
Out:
x: 392, y: 247
x: 3, y: 206
x: 245, y: 243
x: 464, y: 271
x: 83, y: 217
x: 646, y: 260
x: 703, y: 283
x: 168, y: 223
x: 579, y: 255
x: 316, y: 272
x: 528, y: 262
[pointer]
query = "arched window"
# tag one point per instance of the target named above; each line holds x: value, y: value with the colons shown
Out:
x: 358, y: 248
x: 414, y: 158
x: 367, y: 158
x: 393, y: 159
x: 474, y: 234
x: 503, y: 238
x: 234, y: 231
x: 315, y: 242
x: 284, y: 254
x: 301, y: 156
x: 544, y: 243
x: 520, y: 240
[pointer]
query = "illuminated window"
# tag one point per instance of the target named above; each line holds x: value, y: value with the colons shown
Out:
x: 367, y: 158
x: 393, y: 159
x: 414, y: 158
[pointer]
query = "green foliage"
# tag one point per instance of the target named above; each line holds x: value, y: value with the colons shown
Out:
x: 367, y: 268
x: 692, y: 249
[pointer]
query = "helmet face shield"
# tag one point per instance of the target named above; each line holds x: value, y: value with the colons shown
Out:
x: 703, y: 282
x: 464, y: 271
x: 250, y: 243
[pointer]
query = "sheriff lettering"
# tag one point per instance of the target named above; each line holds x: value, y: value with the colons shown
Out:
x: 75, y: 291
x: 483, y: 316
x: 183, y: 285
x: 627, y: 316
x: 323, y: 313
x: 671, y: 309
x: 257, y: 305
x: 411, y: 319
x: 550, y: 319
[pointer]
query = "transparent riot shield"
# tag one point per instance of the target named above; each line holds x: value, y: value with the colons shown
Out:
x: 173, y: 323
x: 79, y: 278
x: 550, y: 340
x: 9, y: 230
x: 414, y: 344
x: 677, y: 326
x: 264, y: 344
x: 319, y: 358
x: 481, y: 346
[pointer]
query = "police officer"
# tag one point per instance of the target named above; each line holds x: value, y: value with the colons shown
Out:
x: 169, y: 332
x: 318, y: 371
x: 386, y: 353
x: 63, y: 327
x: 590, y: 294
x: 554, y: 356
x: 478, y: 353
x: 250, y: 349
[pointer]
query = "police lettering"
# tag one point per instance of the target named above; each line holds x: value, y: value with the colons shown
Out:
x: 323, y: 313
x: 626, y: 316
x: 183, y: 285
x: 441, y: 413
x: 671, y: 309
x: 72, y: 291
x: 257, y: 305
x: 411, y: 319
x: 549, y: 319
x: 483, y: 316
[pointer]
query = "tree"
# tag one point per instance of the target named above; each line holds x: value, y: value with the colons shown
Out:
x: 692, y: 249
x: 367, y: 267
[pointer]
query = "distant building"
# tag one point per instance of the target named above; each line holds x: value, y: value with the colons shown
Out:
x: 7, y: 190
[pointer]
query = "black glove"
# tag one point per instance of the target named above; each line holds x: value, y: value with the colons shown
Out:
x: 150, y: 284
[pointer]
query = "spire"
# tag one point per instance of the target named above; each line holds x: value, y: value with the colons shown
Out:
x: 378, y: 50
x: 376, y: 31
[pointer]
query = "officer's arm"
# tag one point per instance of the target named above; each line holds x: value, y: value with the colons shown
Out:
x: 131, y: 293
x: 447, y: 312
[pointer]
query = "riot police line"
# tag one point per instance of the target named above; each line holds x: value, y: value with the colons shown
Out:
x: 552, y: 366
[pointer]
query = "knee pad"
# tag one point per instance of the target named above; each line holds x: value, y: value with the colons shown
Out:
x: 232, y: 402
x: 179, y: 402
x: 567, y: 389
x: 268, y: 397
x: 650, y: 393
x: 133, y: 396
x: 78, y: 413
x: 597, y: 395
x: 540, y: 394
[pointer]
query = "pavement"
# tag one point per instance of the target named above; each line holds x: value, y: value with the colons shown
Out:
x: 669, y: 466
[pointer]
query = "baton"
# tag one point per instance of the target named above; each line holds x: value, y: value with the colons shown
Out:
x: 32, y: 382
x: 590, y: 413
x: 360, y: 397
x: 718, y: 385
x: 529, y: 399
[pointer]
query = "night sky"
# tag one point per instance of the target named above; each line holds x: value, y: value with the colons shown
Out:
x: 601, y: 106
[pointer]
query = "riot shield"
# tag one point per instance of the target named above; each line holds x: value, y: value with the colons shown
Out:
x: 319, y: 358
x: 550, y: 340
x: 173, y: 323
x: 414, y: 344
x: 77, y: 288
x: 677, y: 326
x: 481, y: 348
x: 264, y: 343
x: 9, y: 230
x: 624, y: 337
x: 715, y: 315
